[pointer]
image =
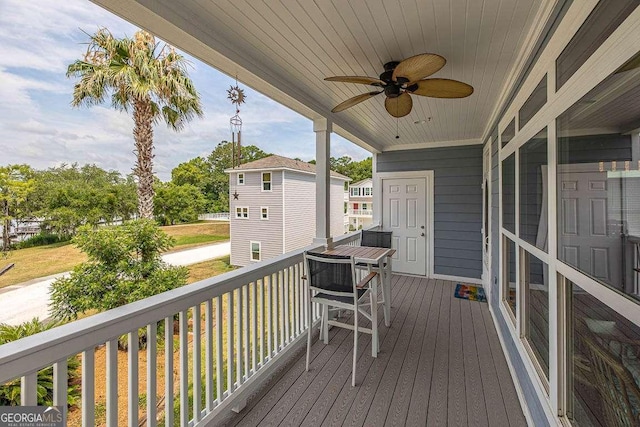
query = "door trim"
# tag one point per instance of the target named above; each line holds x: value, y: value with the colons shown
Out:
x: 428, y: 175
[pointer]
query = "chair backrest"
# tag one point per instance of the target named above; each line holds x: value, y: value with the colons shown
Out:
x: 332, y: 274
x: 379, y: 239
x: 615, y: 384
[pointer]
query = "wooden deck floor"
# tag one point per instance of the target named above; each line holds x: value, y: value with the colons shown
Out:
x: 440, y: 363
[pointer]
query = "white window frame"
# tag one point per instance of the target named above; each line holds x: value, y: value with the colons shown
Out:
x: 242, y: 212
x: 240, y: 179
x: 262, y: 209
x: 251, y: 243
x: 263, y: 182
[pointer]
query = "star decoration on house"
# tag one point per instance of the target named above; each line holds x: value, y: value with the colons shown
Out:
x: 235, y: 195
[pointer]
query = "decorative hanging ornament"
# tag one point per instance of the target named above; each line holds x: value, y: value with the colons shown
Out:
x: 236, y: 95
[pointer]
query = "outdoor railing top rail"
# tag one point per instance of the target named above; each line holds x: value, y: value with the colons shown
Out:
x: 28, y: 355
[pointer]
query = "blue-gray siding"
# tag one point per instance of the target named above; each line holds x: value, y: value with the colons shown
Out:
x: 457, y: 203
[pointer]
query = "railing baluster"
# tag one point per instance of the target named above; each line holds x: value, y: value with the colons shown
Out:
x: 305, y: 306
x: 168, y: 371
x: 88, y: 388
x: 197, y: 354
x: 281, y: 305
x: 61, y: 383
x: 269, y: 309
x: 112, y: 382
x: 219, y: 350
x: 254, y: 327
x: 239, y: 328
x: 286, y: 302
x: 132, y: 353
x: 184, y: 368
x: 152, y: 373
x: 208, y: 337
x: 296, y: 300
x: 230, y: 336
x: 245, y: 330
x: 29, y: 389
x: 261, y: 292
x: 276, y: 313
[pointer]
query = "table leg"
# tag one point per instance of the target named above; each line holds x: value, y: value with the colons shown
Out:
x: 386, y: 288
x: 374, y: 316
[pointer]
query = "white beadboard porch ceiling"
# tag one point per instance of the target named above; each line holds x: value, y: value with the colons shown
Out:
x: 286, y: 48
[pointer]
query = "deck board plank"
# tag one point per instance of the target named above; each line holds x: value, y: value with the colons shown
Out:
x: 440, y: 363
x: 456, y: 403
x: 393, y: 381
x: 497, y: 415
x: 438, y: 399
x: 476, y: 410
x: 419, y: 404
x: 401, y: 397
x: 509, y: 395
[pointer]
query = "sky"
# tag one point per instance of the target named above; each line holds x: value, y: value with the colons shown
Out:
x: 38, y: 126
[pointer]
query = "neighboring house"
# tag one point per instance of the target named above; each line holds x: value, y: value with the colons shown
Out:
x: 272, y: 205
x: 360, y: 204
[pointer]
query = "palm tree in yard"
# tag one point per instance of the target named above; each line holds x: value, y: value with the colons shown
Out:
x: 141, y: 76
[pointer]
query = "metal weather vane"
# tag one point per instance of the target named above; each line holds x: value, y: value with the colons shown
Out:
x: 236, y: 95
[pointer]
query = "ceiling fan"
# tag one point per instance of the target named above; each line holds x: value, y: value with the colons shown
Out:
x: 402, y: 79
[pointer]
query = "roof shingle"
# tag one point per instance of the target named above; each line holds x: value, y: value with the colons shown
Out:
x: 279, y: 162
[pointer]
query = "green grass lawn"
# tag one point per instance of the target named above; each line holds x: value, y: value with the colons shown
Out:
x: 42, y: 261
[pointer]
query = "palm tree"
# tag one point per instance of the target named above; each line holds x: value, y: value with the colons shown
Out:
x: 141, y: 76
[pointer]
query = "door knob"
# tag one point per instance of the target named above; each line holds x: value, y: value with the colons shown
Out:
x: 422, y: 234
x: 422, y: 226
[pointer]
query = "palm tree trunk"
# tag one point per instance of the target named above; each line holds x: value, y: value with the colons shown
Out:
x: 143, y: 136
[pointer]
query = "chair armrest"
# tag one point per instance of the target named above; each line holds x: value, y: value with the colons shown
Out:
x: 366, y: 280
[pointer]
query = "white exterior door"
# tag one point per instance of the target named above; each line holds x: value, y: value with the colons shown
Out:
x: 404, y: 214
x: 590, y: 228
x: 486, y: 217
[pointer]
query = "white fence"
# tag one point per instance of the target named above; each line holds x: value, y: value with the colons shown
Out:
x: 220, y: 216
x: 248, y: 318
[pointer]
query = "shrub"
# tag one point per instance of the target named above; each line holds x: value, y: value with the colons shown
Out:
x: 10, y: 392
x: 124, y: 266
x: 42, y: 239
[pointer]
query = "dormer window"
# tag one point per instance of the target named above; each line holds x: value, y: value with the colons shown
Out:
x: 266, y: 181
x: 241, y: 179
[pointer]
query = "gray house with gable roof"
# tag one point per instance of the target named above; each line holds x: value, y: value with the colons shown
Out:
x: 272, y: 206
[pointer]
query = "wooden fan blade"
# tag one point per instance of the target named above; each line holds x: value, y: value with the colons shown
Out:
x: 356, y: 79
x: 353, y: 101
x: 418, y: 67
x: 442, y: 88
x: 400, y: 106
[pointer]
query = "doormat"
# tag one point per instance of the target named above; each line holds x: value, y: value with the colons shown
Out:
x: 472, y: 293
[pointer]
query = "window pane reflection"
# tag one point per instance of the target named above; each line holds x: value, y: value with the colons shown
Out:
x: 537, y: 287
x: 605, y: 364
x: 510, y: 270
x: 509, y: 193
x: 598, y: 181
x: 533, y: 191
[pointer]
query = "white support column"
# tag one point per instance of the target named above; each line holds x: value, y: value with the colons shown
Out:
x: 322, y: 127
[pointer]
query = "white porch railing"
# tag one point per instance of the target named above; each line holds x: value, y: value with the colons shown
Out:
x: 248, y: 318
x: 361, y: 212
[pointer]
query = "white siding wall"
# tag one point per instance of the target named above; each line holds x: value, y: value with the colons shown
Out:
x: 300, y: 211
x: 337, y: 207
x: 243, y: 231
